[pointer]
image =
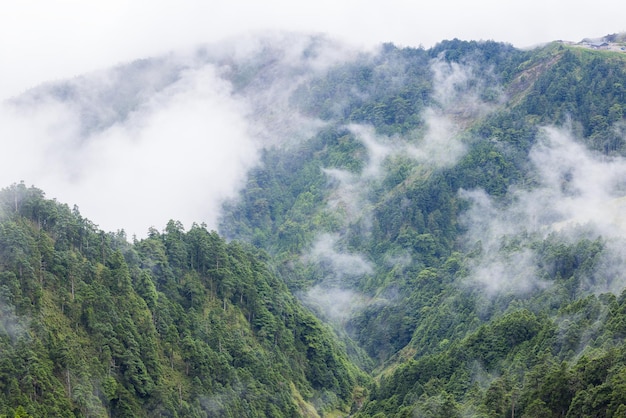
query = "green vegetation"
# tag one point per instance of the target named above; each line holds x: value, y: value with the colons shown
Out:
x: 178, y: 324
x: 419, y: 209
x: 442, y: 344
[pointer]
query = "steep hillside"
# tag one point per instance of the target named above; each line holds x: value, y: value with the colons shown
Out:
x: 407, y: 232
x: 451, y: 219
x: 177, y: 324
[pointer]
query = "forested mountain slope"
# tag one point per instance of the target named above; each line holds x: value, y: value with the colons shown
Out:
x: 463, y: 205
x: 455, y: 215
x: 177, y: 324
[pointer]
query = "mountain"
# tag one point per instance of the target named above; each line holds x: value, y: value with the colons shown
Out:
x: 177, y: 324
x: 418, y: 233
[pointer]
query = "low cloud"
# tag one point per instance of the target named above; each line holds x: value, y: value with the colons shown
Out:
x: 457, y: 99
x: 11, y: 325
x: 334, y: 304
x: 351, y: 189
x: 441, y: 145
x: 266, y: 68
x: 378, y: 149
x: 165, y: 138
x: 338, y: 270
x: 337, y: 263
x: 459, y: 91
x: 457, y: 95
x: 177, y: 155
x: 579, y: 194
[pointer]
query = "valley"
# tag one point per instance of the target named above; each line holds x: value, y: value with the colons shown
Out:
x: 392, y: 233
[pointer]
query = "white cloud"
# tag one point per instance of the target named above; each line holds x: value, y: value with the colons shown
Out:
x: 178, y: 155
x: 51, y: 39
x: 170, y: 137
x: 441, y: 145
x: 456, y: 92
x: 340, y: 263
x: 332, y: 296
x: 336, y: 304
x: 580, y: 194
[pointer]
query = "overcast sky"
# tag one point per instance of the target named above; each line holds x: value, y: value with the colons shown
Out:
x: 42, y: 40
x: 128, y: 175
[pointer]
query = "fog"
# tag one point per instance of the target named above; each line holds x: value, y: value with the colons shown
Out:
x: 456, y: 92
x: 57, y: 39
x: 342, y: 264
x: 177, y: 154
x: 334, y: 304
x: 578, y: 195
x: 334, y: 297
x: 165, y: 138
x: 11, y: 325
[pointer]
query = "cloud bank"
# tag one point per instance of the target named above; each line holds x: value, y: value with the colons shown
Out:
x: 579, y: 195
x: 177, y: 154
x: 53, y: 39
x: 333, y: 296
x: 166, y: 138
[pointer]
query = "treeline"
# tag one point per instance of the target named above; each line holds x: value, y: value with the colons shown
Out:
x: 184, y: 323
x: 555, y: 352
x: 440, y: 346
x: 181, y: 323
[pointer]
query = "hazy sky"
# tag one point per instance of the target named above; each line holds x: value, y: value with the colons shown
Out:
x: 42, y: 40
x: 186, y: 148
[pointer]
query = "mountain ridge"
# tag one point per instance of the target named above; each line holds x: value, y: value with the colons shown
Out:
x: 419, y: 201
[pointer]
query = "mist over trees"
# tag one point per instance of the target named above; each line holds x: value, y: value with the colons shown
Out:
x: 409, y: 232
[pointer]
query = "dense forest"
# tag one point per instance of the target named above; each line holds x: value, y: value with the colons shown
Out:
x: 448, y: 242
x: 177, y: 324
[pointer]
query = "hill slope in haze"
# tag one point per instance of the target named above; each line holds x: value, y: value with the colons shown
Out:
x: 177, y: 324
x: 459, y: 217
x: 453, y: 215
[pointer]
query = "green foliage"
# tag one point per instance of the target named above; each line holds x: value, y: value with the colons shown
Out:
x: 441, y: 346
x: 184, y: 323
x: 386, y: 90
x: 178, y: 324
